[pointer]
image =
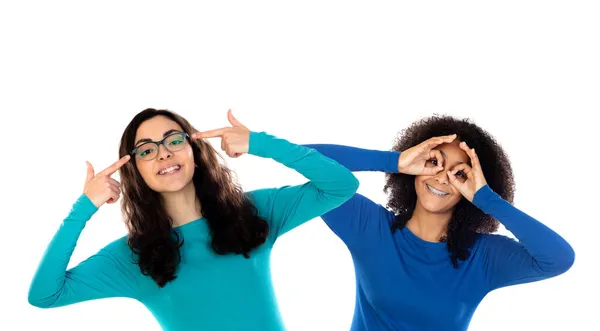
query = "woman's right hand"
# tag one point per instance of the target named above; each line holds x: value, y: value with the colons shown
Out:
x: 100, y: 188
x: 413, y: 161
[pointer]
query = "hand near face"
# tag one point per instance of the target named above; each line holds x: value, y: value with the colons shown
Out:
x: 101, y: 188
x: 474, y: 175
x: 413, y: 161
x: 235, y: 140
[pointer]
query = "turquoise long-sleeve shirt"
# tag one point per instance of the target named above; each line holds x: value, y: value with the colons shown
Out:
x: 211, y: 292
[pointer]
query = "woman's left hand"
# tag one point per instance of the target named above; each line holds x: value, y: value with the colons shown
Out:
x: 473, y: 178
x: 235, y: 140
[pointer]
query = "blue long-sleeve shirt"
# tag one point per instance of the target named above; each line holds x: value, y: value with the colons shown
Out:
x: 211, y: 292
x: 405, y: 283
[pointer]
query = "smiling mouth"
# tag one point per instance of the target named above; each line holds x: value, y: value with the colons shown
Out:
x: 436, y: 191
x: 169, y: 170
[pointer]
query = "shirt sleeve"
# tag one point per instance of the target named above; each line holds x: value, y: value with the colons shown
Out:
x: 360, y: 159
x: 102, y: 275
x: 359, y: 220
x: 329, y: 184
x: 538, y: 253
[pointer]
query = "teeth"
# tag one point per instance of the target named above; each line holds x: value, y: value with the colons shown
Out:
x: 169, y: 170
x: 436, y: 192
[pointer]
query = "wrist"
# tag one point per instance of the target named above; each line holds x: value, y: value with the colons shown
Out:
x: 84, y: 208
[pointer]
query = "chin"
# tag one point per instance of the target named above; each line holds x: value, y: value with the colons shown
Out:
x: 436, y: 208
x: 172, y: 185
x: 172, y: 188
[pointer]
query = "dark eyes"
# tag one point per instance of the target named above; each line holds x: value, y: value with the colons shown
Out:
x: 459, y: 173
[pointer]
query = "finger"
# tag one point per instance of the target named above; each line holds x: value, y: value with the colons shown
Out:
x: 210, y: 133
x: 90, y: 172
x: 448, y: 138
x: 116, y: 166
x: 435, y: 141
x: 229, y: 152
x: 461, y: 167
x: 454, y: 181
x: 114, y: 195
x: 437, y: 155
x: 115, y: 188
x: 113, y: 199
x: 234, y: 121
x: 114, y: 182
x: 115, y: 191
x: 472, y: 155
x: 465, y: 168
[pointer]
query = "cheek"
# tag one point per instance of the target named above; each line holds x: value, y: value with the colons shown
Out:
x: 419, y: 184
x: 145, y: 169
x: 187, y: 156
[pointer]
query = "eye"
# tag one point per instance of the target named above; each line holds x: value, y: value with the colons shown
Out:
x: 434, y: 162
x: 176, y: 142
x: 460, y: 173
x: 145, y: 152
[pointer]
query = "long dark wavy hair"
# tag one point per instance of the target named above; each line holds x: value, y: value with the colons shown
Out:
x: 233, y: 221
x: 467, y: 220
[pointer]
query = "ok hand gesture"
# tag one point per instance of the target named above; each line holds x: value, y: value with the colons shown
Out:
x: 413, y: 160
x: 474, y: 175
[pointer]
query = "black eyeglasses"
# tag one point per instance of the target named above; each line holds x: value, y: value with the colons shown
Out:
x: 149, y: 150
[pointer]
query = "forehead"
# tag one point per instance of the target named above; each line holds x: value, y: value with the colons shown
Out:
x: 155, y: 127
x: 453, y: 153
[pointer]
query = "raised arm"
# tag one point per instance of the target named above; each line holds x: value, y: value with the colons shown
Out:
x: 538, y: 254
x: 330, y: 184
x: 102, y: 275
x: 360, y: 219
x: 359, y: 159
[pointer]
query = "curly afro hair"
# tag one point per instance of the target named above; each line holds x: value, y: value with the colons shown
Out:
x: 467, y: 220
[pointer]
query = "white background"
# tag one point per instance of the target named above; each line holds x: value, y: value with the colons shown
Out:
x: 72, y: 74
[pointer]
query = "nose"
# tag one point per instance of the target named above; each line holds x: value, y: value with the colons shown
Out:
x: 442, y: 177
x: 164, y: 154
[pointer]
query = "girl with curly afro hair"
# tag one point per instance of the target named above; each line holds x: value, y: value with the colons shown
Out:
x: 427, y: 261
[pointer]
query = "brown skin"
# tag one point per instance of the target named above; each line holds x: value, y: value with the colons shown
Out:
x: 448, y: 166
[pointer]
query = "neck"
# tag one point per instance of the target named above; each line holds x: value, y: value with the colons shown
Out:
x: 182, y: 206
x: 427, y: 225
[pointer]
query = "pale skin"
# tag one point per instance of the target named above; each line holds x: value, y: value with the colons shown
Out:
x: 177, y: 191
x: 453, y: 171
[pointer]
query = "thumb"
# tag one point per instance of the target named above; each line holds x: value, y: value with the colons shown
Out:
x: 234, y: 122
x: 90, y: 172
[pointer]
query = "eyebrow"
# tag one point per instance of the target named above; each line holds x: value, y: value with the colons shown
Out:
x: 444, y: 156
x: 147, y: 140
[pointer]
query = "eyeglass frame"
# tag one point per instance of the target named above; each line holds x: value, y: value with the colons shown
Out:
x: 186, y: 137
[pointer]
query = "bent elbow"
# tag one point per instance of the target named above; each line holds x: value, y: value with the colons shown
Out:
x: 36, y: 301
x: 350, y: 187
x: 39, y: 301
x: 562, y: 261
x: 566, y: 260
x: 354, y: 184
